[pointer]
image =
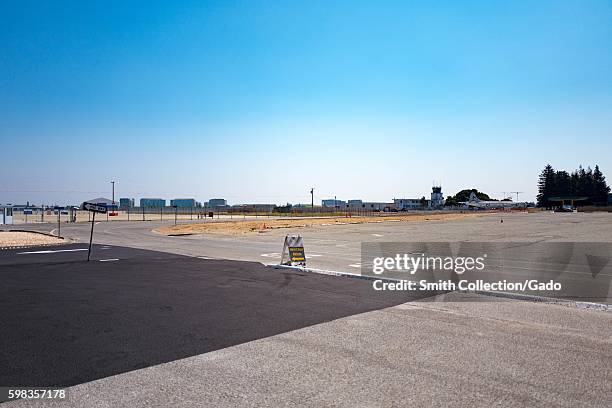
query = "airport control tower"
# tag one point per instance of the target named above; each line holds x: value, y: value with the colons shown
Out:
x: 437, y: 198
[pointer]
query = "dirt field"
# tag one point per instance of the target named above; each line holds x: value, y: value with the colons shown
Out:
x: 245, y: 227
x: 9, y: 239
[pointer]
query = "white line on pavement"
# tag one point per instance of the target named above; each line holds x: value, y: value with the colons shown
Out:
x: 52, y: 251
x: 109, y: 260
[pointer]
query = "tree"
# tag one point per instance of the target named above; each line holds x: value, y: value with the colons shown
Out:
x: 562, y: 186
x: 464, y: 195
x: 600, y: 187
x: 451, y: 201
x: 546, y: 184
x: 580, y: 183
x: 423, y: 202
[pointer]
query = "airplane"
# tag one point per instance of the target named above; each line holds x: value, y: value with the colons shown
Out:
x: 475, y: 202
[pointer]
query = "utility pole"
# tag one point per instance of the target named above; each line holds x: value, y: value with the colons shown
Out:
x: 113, y: 183
x: 312, y: 198
x: 517, y: 195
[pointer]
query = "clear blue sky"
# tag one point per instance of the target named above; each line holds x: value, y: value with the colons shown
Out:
x: 259, y: 101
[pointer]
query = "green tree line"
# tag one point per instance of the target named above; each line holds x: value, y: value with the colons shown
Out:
x: 588, y: 183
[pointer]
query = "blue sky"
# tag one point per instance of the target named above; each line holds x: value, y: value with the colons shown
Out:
x: 259, y: 101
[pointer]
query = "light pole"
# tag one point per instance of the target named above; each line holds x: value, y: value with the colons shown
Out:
x: 312, y: 198
x: 113, y: 201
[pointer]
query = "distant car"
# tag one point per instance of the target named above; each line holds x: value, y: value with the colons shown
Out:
x: 566, y: 208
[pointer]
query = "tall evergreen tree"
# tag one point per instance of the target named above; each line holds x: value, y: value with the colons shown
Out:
x: 546, y: 185
x: 588, y: 186
x: 563, y: 184
x: 600, y: 187
x: 580, y: 183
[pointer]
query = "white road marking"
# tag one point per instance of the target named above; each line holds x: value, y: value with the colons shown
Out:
x: 272, y: 255
x: 377, y: 235
x: 278, y: 255
x: 109, y: 260
x: 355, y: 265
x: 206, y: 257
x: 52, y: 252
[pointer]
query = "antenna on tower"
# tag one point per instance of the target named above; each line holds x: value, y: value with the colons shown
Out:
x: 517, y: 194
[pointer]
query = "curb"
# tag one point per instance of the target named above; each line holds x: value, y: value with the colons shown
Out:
x: 506, y: 295
x: 66, y: 241
x: 328, y: 272
x: 36, y: 232
x: 544, y: 299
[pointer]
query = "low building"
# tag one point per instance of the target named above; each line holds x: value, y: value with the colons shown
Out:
x: 332, y: 202
x: 403, y: 204
x: 183, y: 202
x: 357, y: 205
x: 126, y: 203
x: 152, y: 202
x: 217, y: 202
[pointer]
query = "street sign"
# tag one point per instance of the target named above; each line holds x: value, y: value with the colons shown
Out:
x: 94, y: 208
x: 293, y: 251
x: 97, y: 208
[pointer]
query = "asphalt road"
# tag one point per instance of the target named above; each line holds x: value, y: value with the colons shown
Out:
x: 503, y: 354
x: 137, y: 328
x: 66, y: 321
x: 339, y: 247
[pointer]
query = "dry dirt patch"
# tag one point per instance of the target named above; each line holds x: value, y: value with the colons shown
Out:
x: 245, y: 227
x: 9, y: 239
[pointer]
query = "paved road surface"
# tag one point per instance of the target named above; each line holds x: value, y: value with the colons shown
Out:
x: 66, y: 321
x: 338, y: 247
x: 155, y: 330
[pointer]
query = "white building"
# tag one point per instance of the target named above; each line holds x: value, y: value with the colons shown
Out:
x: 6, y: 215
x: 403, y: 204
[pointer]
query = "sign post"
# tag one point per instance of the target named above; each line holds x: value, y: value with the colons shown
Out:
x: 93, y: 208
x: 293, y: 251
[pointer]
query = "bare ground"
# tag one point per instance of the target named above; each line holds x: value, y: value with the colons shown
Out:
x: 10, y: 239
x: 245, y: 227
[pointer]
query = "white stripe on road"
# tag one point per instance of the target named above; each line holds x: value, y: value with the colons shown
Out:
x: 109, y: 260
x: 52, y: 252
